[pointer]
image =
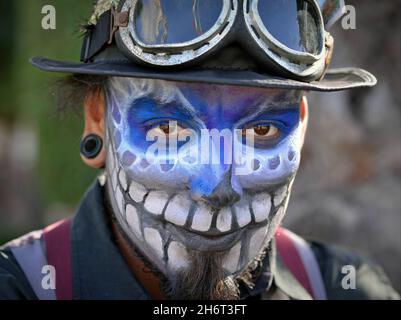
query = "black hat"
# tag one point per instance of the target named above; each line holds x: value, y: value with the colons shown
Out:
x: 231, y: 66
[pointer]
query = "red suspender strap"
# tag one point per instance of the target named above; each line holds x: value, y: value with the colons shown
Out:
x: 57, y: 239
x: 291, y: 258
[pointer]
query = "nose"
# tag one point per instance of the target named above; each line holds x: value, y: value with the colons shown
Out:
x: 222, y: 195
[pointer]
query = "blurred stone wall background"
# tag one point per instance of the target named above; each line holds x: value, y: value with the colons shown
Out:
x: 347, y: 192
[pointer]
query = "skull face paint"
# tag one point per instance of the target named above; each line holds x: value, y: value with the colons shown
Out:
x: 173, y: 209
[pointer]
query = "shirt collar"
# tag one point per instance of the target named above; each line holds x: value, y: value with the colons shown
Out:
x: 99, y: 269
x: 274, y: 274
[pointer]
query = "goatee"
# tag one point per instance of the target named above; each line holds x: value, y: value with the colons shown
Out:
x: 203, y: 279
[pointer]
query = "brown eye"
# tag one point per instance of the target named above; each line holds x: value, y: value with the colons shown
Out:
x: 166, y: 128
x: 262, y: 130
x: 170, y: 129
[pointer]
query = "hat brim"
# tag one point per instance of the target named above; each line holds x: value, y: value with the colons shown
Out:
x: 334, y: 80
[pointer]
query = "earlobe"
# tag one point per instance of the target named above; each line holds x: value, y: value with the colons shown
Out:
x: 93, y: 151
x: 304, y: 110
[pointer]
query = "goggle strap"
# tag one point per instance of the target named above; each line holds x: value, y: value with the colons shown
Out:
x: 97, y: 36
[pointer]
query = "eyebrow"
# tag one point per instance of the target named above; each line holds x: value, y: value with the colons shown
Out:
x: 179, y: 106
x: 259, y: 109
x: 160, y: 105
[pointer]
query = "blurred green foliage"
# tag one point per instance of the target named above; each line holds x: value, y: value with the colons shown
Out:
x: 26, y: 92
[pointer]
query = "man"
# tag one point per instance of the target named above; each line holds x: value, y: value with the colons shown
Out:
x: 197, y: 112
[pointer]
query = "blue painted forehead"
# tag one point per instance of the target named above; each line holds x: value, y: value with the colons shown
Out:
x: 204, y: 100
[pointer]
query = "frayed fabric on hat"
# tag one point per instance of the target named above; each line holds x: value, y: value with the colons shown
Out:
x: 101, y: 6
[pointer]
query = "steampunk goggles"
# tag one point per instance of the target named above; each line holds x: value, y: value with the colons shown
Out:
x: 287, y: 37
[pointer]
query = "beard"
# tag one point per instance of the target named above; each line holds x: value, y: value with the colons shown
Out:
x: 203, y: 279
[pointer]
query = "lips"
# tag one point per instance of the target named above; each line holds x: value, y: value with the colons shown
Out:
x: 206, y: 241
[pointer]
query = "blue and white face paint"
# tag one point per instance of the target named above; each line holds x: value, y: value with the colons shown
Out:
x: 172, y: 203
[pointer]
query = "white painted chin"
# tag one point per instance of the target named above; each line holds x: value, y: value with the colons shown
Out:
x: 165, y: 225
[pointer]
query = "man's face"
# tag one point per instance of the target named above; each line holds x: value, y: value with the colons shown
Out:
x: 197, y: 170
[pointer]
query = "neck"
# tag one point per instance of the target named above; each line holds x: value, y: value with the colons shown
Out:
x: 142, y: 272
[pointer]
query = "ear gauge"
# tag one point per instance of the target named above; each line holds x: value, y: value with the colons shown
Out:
x: 91, y: 146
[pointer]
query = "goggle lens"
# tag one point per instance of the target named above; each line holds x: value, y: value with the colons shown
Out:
x: 166, y: 22
x: 293, y: 23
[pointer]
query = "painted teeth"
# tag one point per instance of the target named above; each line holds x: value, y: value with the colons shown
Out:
x: 202, y: 218
x: 242, y: 213
x: 156, y: 201
x: 137, y: 192
x: 177, y: 210
x: 123, y: 179
x: 232, y: 260
x: 279, y: 196
x: 280, y: 212
x: 154, y: 240
x: 133, y: 220
x: 120, y: 201
x: 224, y: 220
x: 177, y: 256
x: 261, y: 205
x: 256, y: 242
x: 114, y: 181
x: 110, y: 164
